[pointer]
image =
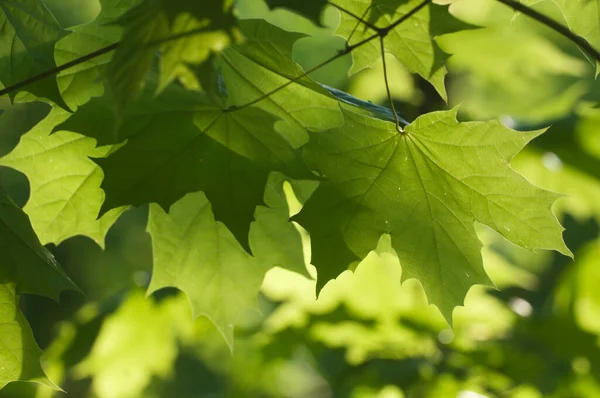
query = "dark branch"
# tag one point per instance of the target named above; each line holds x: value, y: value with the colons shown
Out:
x: 552, y: 24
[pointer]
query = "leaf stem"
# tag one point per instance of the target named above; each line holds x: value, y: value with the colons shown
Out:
x: 554, y: 25
x: 387, y: 88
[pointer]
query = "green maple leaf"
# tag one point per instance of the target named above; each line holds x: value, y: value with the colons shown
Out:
x: 264, y: 63
x: 523, y: 85
x: 83, y: 81
x: 65, y: 193
x: 310, y: 9
x: 412, y: 42
x: 199, y: 256
x: 19, y: 353
x: 25, y: 267
x: 274, y: 240
x: 228, y: 155
x: 582, y: 17
x: 29, y: 35
x: 25, y: 262
x: 147, y: 28
x: 426, y: 188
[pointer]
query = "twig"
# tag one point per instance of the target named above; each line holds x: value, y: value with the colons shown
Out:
x: 353, y: 15
x: 387, y: 87
x: 381, y: 33
x: 58, y: 69
x: 92, y: 55
x: 552, y: 24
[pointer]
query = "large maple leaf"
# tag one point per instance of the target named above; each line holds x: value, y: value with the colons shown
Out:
x: 426, y: 188
x: 180, y: 142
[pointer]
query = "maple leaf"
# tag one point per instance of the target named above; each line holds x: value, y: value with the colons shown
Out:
x: 185, y: 35
x: 29, y: 35
x: 227, y: 155
x: 199, y: 256
x: 19, y: 353
x: 25, y: 267
x: 25, y: 262
x: 264, y: 63
x: 582, y: 18
x: 524, y: 85
x: 65, y: 189
x: 412, y: 43
x: 83, y: 81
x: 426, y: 188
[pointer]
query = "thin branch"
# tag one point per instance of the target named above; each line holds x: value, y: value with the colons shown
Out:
x: 92, y: 55
x: 58, y: 69
x: 384, y: 31
x: 356, y: 26
x: 552, y: 24
x: 353, y: 15
x: 387, y: 87
x: 381, y: 33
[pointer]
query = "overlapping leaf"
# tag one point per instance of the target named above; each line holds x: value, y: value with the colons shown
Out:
x: 19, y: 353
x: 181, y: 143
x: 412, y: 42
x: 28, y: 36
x: 581, y: 16
x: 83, y: 81
x: 184, y: 33
x: 24, y: 261
x: 264, y: 63
x: 65, y: 184
x: 25, y: 267
x: 426, y: 188
x: 201, y: 257
x: 524, y: 85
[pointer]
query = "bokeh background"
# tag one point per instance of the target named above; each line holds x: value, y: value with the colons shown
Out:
x: 366, y: 335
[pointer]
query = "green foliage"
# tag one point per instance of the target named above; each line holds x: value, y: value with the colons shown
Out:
x: 29, y: 35
x: 305, y: 241
x: 413, y: 43
x: 426, y: 188
x: 65, y: 185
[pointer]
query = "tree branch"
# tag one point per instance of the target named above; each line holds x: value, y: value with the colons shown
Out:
x: 552, y: 24
x: 92, y: 55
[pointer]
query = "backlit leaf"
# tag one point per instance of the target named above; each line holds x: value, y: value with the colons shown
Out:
x: 425, y: 188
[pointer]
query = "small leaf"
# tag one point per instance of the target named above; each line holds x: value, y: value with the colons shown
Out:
x: 65, y: 184
x: 227, y: 155
x: 81, y: 82
x: 412, y: 42
x: 24, y: 261
x: 264, y: 63
x: 199, y: 256
x: 19, y: 353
